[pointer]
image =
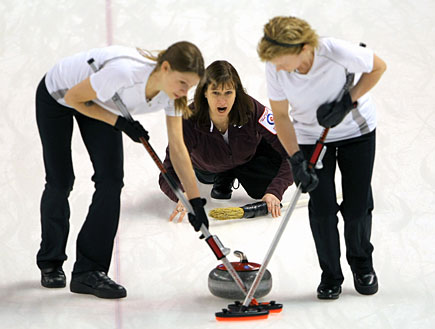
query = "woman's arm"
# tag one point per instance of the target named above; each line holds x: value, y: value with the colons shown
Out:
x: 283, y: 177
x: 164, y: 185
x: 180, y: 157
x: 303, y: 176
x: 78, y: 96
x: 369, y: 80
x: 284, y: 126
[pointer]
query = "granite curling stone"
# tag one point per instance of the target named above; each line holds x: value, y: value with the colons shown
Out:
x: 221, y: 284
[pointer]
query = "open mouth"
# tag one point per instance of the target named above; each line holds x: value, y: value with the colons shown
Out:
x: 221, y: 109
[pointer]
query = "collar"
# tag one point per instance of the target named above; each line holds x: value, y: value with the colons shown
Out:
x: 212, y: 125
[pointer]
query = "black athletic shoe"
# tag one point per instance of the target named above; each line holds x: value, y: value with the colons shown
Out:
x: 366, y: 284
x: 328, y: 291
x: 97, y: 283
x: 217, y: 194
x: 53, y: 277
x: 222, y: 186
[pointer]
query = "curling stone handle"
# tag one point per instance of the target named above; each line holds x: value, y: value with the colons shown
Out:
x: 241, y: 256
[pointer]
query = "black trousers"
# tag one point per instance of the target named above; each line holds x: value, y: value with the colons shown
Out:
x: 355, y: 159
x: 104, y: 145
x: 254, y: 175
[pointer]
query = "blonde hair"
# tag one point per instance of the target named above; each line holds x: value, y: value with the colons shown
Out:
x: 285, y: 35
x: 183, y: 56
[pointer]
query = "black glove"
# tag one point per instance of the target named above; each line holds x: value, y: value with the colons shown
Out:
x: 331, y: 114
x: 302, y: 174
x: 200, y: 217
x: 133, y: 129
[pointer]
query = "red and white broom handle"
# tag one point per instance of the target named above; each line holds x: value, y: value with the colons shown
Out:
x: 315, y: 161
x: 212, y: 240
x: 317, y: 154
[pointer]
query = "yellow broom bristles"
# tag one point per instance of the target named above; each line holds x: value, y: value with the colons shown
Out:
x: 226, y: 213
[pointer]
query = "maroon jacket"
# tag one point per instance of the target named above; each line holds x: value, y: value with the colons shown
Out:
x: 208, y: 150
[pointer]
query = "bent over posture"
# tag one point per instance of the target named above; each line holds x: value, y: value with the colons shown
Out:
x: 70, y: 90
x: 308, y: 73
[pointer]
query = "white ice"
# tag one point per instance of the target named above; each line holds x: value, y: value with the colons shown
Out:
x: 164, y: 266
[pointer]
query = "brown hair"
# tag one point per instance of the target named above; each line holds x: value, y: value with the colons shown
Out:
x: 222, y: 74
x: 183, y: 57
x: 285, y: 35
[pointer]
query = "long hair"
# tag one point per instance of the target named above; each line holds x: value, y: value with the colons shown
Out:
x: 222, y: 74
x: 285, y: 35
x: 183, y: 57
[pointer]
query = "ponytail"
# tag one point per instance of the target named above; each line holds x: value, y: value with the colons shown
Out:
x: 183, y: 57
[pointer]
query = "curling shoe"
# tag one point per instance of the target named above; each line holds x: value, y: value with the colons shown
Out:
x: 97, y: 283
x: 222, y: 188
x: 220, y: 195
x: 366, y: 284
x: 53, y: 277
x: 328, y: 291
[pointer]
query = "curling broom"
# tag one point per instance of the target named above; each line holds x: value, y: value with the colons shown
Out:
x: 238, y: 311
x: 212, y: 240
x: 252, y: 210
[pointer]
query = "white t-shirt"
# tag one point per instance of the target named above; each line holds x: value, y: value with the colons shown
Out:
x: 121, y: 69
x: 333, y: 59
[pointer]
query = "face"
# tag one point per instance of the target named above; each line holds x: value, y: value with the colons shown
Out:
x: 291, y: 62
x: 288, y: 62
x: 177, y: 84
x: 220, y: 100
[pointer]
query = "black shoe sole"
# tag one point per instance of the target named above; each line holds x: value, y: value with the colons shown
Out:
x: 53, y: 285
x: 80, y: 288
x: 219, y: 195
x: 367, y: 290
x: 328, y: 297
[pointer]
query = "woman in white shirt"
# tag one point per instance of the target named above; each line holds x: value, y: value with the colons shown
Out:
x: 72, y: 90
x: 308, y: 73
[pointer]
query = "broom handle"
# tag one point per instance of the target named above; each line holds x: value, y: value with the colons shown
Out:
x: 317, y: 155
x: 272, y: 248
x: 212, y: 240
x: 314, y: 158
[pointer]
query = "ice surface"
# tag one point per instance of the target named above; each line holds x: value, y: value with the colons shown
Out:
x: 164, y: 266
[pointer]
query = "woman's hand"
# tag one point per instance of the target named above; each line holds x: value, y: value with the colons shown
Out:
x: 179, y: 211
x: 132, y: 129
x: 273, y: 204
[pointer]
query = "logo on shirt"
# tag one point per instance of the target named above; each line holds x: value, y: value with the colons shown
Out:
x: 267, y: 121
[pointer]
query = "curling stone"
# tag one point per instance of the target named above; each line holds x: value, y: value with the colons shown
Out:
x: 221, y: 284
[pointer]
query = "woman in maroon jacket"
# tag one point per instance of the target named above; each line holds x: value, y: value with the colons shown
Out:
x: 231, y: 135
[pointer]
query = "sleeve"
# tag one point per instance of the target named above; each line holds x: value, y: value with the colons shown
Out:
x: 282, y: 180
x: 274, y: 88
x: 109, y: 80
x: 353, y: 57
x: 164, y: 186
x: 266, y: 128
x: 189, y: 141
x: 170, y: 109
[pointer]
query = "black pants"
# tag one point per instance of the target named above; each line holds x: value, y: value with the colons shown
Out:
x: 355, y: 158
x: 255, y: 175
x: 104, y: 145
